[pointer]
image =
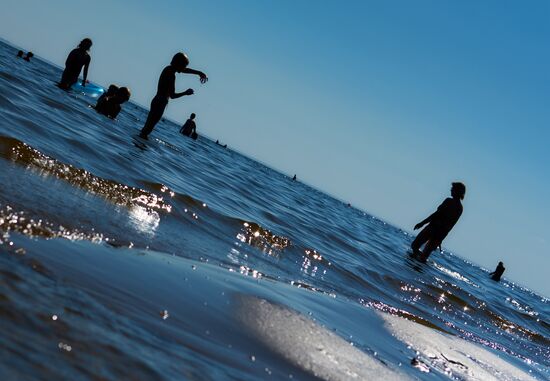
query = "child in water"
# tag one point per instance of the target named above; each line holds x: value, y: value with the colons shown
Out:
x: 439, y: 223
x: 189, y: 127
x: 167, y: 89
x: 109, y: 93
x: 110, y: 105
x: 77, y: 59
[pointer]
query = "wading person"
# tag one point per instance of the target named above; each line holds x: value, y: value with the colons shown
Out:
x: 76, y: 60
x: 439, y: 223
x: 166, y: 90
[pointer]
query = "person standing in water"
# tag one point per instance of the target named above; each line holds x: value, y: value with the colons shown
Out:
x: 166, y: 90
x: 439, y: 223
x: 76, y: 60
x: 189, y: 127
x: 495, y: 275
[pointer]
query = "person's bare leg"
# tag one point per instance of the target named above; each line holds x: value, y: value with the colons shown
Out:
x: 420, y: 239
x: 430, y: 246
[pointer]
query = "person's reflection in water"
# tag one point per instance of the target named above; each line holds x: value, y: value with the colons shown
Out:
x: 77, y: 59
x: 439, y: 223
x: 166, y: 89
x: 495, y: 275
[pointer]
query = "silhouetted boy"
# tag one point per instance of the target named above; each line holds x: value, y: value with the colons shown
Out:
x: 189, y: 127
x: 439, y: 223
x: 495, y: 275
x: 109, y: 93
x: 167, y: 89
x: 76, y: 60
x: 111, y: 105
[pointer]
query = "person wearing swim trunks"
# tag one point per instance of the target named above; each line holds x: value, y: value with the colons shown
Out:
x: 76, y: 60
x: 166, y: 90
x: 439, y: 223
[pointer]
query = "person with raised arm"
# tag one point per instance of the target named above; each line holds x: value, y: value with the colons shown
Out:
x: 166, y: 90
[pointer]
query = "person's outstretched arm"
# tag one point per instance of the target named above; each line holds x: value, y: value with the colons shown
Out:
x: 425, y: 221
x: 202, y: 76
x: 175, y: 95
x: 85, y: 75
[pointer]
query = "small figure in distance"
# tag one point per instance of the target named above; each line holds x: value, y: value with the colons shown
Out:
x: 495, y: 275
x: 110, y: 106
x: 166, y: 90
x: 28, y: 56
x: 218, y: 143
x: 189, y: 128
x: 439, y: 223
x: 294, y: 178
x: 77, y: 59
x: 109, y: 93
x: 20, y: 54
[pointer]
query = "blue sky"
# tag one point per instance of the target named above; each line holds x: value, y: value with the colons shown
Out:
x: 379, y: 103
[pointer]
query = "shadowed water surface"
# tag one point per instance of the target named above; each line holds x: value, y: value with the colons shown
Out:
x: 179, y: 259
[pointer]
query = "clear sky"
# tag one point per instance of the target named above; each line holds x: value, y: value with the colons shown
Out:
x: 379, y: 103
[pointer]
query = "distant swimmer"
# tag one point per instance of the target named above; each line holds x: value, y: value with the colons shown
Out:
x: 167, y: 89
x: 294, y: 178
x: 28, y: 56
x: 20, y: 54
x: 189, y: 128
x: 76, y: 60
x: 110, y: 105
x: 495, y: 275
x: 439, y: 223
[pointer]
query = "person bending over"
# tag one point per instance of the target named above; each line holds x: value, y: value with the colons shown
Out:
x: 76, y: 60
x: 110, y: 106
x: 439, y: 223
x: 166, y: 90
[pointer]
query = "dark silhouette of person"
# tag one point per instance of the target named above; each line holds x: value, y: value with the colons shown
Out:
x: 77, y: 59
x: 110, y: 106
x: 166, y: 90
x: 439, y: 223
x: 109, y: 93
x: 294, y: 178
x: 28, y: 56
x: 189, y: 127
x: 495, y: 275
x: 20, y: 54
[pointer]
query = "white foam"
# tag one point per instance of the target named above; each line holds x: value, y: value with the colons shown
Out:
x: 452, y: 356
x: 309, y: 346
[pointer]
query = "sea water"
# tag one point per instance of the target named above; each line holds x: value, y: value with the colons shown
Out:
x: 175, y: 259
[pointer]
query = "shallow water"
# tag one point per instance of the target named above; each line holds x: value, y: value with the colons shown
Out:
x: 179, y: 259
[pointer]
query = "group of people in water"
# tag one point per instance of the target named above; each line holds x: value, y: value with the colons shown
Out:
x: 110, y: 103
x: 436, y: 226
x: 27, y: 57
